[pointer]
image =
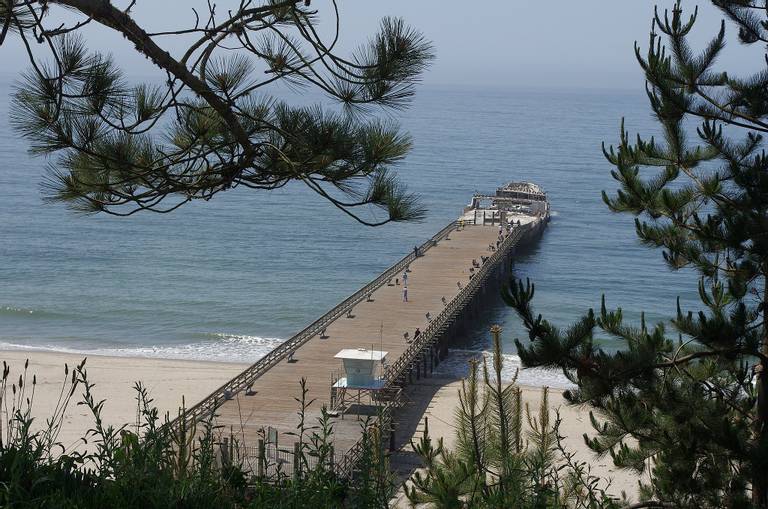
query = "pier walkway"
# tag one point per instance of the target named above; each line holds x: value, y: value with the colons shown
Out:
x: 375, y: 317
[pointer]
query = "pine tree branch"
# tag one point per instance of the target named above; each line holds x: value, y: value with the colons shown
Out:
x: 120, y: 145
x: 709, y: 353
x: 108, y: 15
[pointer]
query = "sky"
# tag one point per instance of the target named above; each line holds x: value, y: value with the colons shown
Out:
x: 498, y: 43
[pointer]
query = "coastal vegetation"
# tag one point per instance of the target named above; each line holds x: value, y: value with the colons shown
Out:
x: 505, y: 454
x: 687, y: 405
x: 149, y: 464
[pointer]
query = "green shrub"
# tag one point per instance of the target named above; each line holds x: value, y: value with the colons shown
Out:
x: 496, y: 462
x: 154, y: 466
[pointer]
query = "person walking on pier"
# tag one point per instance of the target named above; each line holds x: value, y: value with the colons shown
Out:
x: 405, y: 294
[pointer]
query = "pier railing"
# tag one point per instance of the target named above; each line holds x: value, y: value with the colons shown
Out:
x: 396, y: 372
x: 208, y: 406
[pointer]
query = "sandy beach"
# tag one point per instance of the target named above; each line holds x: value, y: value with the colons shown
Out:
x: 169, y: 379
x: 166, y: 379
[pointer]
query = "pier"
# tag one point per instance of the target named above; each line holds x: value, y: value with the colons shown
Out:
x: 448, y: 280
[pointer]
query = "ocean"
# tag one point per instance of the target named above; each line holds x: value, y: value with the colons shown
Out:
x: 229, y: 279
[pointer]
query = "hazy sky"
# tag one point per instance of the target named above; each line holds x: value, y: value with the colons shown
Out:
x: 502, y: 43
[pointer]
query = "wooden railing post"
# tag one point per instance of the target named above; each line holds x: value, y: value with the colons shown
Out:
x: 224, y: 448
x: 262, y: 459
x: 296, y: 460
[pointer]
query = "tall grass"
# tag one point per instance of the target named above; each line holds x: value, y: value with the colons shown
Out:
x: 148, y: 465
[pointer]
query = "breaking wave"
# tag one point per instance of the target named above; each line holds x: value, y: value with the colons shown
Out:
x: 219, y: 347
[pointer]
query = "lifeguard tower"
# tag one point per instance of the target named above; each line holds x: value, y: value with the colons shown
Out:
x: 360, y: 378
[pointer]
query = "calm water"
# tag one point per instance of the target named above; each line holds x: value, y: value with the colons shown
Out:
x: 229, y: 279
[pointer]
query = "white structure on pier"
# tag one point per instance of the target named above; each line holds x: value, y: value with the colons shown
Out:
x: 516, y: 201
x: 360, y: 377
x: 360, y: 367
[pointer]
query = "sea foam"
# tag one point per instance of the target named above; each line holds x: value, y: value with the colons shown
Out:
x: 457, y: 364
x: 221, y: 347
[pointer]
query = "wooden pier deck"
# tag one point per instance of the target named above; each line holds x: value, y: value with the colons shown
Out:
x: 378, y: 325
x: 376, y: 317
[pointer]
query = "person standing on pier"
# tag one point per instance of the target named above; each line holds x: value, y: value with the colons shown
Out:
x: 405, y: 278
x: 415, y: 251
x: 405, y: 293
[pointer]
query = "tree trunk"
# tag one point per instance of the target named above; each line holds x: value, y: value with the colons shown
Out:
x: 760, y: 475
